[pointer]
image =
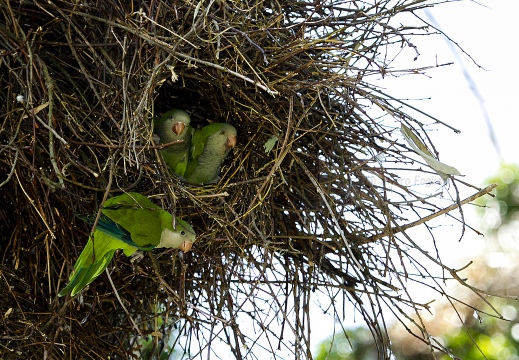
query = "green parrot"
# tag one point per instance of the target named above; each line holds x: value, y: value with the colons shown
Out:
x: 129, y: 222
x: 171, y: 126
x: 209, y: 147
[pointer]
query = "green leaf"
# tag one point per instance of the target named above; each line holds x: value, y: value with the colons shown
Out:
x: 271, y: 142
x: 419, y: 147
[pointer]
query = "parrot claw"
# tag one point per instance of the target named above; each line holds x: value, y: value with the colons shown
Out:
x: 137, y: 256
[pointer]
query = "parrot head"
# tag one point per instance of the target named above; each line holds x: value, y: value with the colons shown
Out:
x: 188, y: 233
x: 226, y: 135
x: 172, y: 124
x: 182, y: 237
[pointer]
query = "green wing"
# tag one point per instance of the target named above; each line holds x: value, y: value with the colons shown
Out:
x: 112, y: 229
x: 200, y: 139
x: 198, y: 143
x: 138, y: 216
x: 210, y: 146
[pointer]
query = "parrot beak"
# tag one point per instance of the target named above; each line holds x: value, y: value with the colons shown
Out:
x: 231, y: 141
x: 186, y: 246
x: 178, y: 128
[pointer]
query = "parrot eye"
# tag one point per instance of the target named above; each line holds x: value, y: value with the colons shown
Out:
x: 183, y: 233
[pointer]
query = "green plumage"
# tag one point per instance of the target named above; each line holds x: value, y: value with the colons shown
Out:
x: 128, y: 222
x: 172, y: 126
x: 210, y: 146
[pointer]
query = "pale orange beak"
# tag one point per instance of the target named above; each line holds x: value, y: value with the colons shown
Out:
x: 231, y: 141
x: 178, y: 128
x: 185, y: 246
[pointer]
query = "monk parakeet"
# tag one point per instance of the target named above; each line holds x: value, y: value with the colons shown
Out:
x: 129, y: 222
x: 171, y: 126
x: 209, y: 147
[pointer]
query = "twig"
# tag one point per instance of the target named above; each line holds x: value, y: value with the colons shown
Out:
x: 398, y: 229
x: 32, y: 202
x: 50, y: 94
x: 339, y: 228
x: 13, y: 166
x: 169, y: 48
x: 104, y: 146
x: 121, y: 302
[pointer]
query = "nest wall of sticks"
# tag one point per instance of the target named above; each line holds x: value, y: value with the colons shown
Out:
x: 304, y: 205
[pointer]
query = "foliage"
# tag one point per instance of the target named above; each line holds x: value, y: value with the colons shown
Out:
x: 504, y: 208
x: 482, y: 337
x: 486, y: 337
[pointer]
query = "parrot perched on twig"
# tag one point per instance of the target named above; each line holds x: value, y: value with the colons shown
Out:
x: 209, y: 147
x: 175, y: 125
x: 129, y: 222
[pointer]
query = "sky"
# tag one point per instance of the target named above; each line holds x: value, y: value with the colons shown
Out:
x: 488, y: 35
x: 476, y: 95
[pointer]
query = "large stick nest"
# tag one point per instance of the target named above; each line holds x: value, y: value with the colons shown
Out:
x: 318, y: 216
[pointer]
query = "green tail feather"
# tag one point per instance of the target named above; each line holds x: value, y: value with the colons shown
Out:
x: 84, y: 276
x: 88, y: 267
